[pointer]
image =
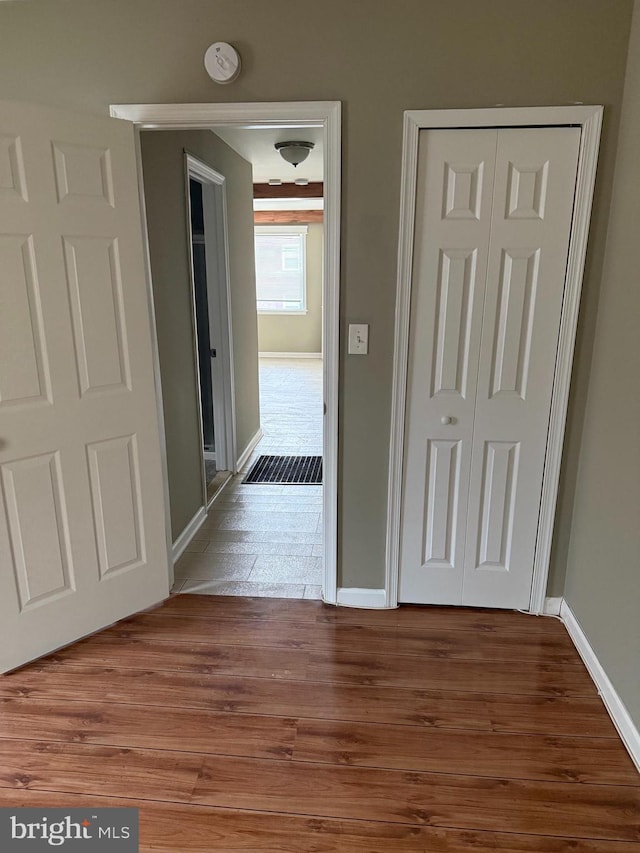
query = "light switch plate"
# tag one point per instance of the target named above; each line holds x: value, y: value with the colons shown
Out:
x: 358, y: 338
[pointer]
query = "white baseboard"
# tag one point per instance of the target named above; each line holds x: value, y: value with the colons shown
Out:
x: 552, y: 606
x: 290, y: 355
x: 246, y: 453
x: 188, y: 533
x: 627, y: 729
x: 353, y: 596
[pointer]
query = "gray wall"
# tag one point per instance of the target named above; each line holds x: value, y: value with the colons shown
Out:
x: 164, y: 183
x: 86, y: 54
x: 603, y: 573
x: 299, y: 332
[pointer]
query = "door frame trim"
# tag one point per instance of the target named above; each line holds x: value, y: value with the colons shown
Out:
x: 589, y: 120
x: 214, y: 202
x: 299, y: 114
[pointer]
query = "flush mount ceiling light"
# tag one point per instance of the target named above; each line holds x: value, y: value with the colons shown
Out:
x: 294, y: 152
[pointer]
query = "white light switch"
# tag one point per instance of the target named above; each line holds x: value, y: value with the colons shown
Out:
x: 358, y: 339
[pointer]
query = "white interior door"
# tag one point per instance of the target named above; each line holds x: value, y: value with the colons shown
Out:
x: 475, y: 445
x: 82, y: 519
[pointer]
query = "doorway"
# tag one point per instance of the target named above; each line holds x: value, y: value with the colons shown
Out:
x: 206, y: 217
x: 324, y: 116
x: 263, y: 536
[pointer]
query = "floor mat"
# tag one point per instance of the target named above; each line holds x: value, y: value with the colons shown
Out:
x: 286, y: 470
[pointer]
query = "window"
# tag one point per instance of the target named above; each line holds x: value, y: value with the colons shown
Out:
x: 281, y: 285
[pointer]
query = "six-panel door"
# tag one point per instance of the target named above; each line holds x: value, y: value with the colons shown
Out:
x: 82, y: 521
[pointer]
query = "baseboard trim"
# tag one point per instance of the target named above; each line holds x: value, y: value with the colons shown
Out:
x: 352, y: 596
x: 180, y: 545
x: 290, y: 355
x: 626, y: 727
x: 552, y: 606
x: 246, y: 453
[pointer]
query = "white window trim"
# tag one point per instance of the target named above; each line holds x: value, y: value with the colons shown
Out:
x: 301, y: 230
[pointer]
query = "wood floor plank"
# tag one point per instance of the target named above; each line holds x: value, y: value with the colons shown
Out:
x: 334, y: 666
x: 99, y: 770
x: 473, y: 676
x: 360, y: 703
x: 506, y: 756
x: 141, y: 726
x: 461, y: 802
x: 478, y: 620
x: 174, y: 828
x: 107, y: 650
x: 392, y: 639
x: 436, y: 618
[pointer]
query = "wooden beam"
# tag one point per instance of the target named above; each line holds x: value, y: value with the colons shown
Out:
x: 287, y: 217
x: 315, y: 189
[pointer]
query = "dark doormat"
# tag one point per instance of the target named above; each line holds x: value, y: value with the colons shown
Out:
x: 286, y: 470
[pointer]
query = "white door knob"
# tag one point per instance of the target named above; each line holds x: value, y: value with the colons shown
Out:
x: 445, y: 419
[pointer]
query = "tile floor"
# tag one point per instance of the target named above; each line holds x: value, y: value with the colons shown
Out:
x: 264, y: 540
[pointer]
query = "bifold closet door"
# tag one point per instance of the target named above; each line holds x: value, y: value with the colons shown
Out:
x: 483, y: 343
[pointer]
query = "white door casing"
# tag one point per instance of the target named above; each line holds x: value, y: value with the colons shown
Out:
x: 220, y: 326
x: 292, y: 114
x: 489, y: 269
x: 82, y: 518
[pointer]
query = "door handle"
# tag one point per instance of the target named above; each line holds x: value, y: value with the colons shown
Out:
x: 212, y: 353
x: 446, y: 419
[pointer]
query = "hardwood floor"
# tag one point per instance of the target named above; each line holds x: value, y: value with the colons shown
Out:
x: 284, y: 726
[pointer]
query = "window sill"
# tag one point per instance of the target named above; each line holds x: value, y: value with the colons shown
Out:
x: 282, y: 313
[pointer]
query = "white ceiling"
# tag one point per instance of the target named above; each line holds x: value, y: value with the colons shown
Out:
x: 256, y: 146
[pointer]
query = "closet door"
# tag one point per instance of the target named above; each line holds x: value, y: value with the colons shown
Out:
x: 530, y: 227
x: 493, y: 221
x: 453, y: 218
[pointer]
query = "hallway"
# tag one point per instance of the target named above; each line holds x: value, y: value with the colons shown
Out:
x: 266, y: 540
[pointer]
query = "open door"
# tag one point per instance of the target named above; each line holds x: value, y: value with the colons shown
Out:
x: 82, y: 519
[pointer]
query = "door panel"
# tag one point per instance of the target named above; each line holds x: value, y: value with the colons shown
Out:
x: 443, y: 483
x: 535, y: 177
x: 24, y: 373
x: 493, y: 218
x: 450, y: 256
x: 499, y: 479
x: 514, y: 322
x: 114, y: 474
x: 37, y: 518
x: 94, y: 284
x: 82, y: 521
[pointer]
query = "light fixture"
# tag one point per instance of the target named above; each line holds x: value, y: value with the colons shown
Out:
x: 274, y: 182
x: 294, y: 152
x: 301, y: 182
